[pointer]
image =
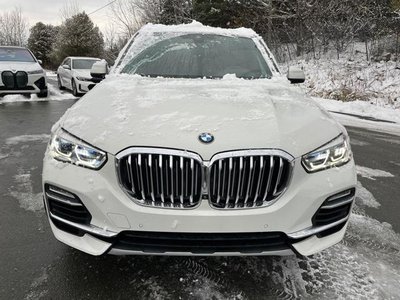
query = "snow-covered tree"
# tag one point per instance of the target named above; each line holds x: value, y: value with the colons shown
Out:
x: 78, y: 36
x: 41, y: 40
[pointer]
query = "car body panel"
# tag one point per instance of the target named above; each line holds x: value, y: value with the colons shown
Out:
x: 150, y: 112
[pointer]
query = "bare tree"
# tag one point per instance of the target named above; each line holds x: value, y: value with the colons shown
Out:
x: 70, y: 9
x: 127, y: 16
x: 13, y: 28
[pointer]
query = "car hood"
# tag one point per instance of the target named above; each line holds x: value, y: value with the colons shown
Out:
x: 125, y: 111
x: 19, y: 66
x: 82, y: 73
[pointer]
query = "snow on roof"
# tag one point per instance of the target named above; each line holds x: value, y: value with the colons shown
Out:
x: 83, y: 57
x: 197, y: 27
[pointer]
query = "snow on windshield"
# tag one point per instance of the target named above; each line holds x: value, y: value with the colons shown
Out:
x: 152, y: 34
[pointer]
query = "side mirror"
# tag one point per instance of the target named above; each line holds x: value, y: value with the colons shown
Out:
x: 40, y: 62
x: 99, y: 70
x: 66, y: 67
x: 296, y: 75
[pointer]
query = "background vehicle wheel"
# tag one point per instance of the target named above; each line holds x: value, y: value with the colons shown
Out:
x: 60, y: 86
x: 74, y: 89
x: 43, y: 93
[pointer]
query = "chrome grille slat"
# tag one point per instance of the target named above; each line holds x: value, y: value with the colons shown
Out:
x: 192, y: 183
x: 260, y: 178
x: 249, y: 182
x: 177, y: 179
x: 279, y: 177
x: 270, y: 174
x: 149, y: 160
x: 239, y: 180
x: 141, y: 176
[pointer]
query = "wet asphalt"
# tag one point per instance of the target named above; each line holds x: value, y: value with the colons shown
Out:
x: 34, y: 265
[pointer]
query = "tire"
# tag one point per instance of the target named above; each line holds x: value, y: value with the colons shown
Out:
x: 60, y: 86
x: 74, y: 89
x: 43, y: 94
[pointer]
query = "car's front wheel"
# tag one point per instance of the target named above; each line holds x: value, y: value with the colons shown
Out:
x: 43, y: 94
x: 60, y: 86
x: 74, y: 89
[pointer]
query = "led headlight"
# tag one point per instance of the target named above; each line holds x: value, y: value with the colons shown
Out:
x: 66, y: 148
x: 334, y: 154
x: 40, y: 71
x: 84, y: 79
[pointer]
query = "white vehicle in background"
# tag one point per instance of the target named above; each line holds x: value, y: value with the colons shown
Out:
x: 21, y: 73
x: 74, y: 74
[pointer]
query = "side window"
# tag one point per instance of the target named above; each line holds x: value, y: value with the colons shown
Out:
x: 68, y: 62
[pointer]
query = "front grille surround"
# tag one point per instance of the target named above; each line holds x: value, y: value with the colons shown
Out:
x: 149, y: 188
x: 246, y: 195
x: 150, y: 199
x: 14, y: 81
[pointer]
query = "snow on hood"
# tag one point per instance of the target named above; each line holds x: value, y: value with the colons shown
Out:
x: 129, y: 110
x: 82, y: 73
x: 19, y: 66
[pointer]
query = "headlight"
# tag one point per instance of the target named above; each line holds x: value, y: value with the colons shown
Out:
x: 84, y: 79
x: 40, y: 71
x: 66, y: 148
x: 334, y: 154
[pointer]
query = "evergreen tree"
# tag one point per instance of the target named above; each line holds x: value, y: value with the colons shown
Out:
x: 78, y: 36
x: 41, y: 40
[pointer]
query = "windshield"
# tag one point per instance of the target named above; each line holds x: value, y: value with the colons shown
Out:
x: 83, y: 64
x: 15, y: 54
x: 199, y: 55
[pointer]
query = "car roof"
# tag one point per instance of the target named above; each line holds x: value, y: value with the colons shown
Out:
x: 83, y: 57
x: 197, y: 27
x: 13, y: 47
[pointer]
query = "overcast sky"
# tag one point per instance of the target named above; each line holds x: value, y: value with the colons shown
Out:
x: 48, y: 11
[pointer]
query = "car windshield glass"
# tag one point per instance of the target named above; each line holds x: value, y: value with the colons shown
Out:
x: 200, y: 55
x: 83, y: 64
x: 15, y: 54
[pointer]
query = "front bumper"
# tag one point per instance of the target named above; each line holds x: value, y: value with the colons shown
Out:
x: 113, y: 213
x: 84, y: 86
x: 37, y: 83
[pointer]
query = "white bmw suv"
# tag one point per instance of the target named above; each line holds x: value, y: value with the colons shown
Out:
x: 21, y: 72
x: 196, y: 144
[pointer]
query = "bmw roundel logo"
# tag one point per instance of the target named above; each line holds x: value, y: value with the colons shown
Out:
x: 206, y: 138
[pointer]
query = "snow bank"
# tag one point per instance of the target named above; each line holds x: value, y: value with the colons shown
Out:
x: 347, y: 79
x: 54, y: 94
x: 361, y: 108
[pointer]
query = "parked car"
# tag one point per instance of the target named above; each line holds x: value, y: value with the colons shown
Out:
x: 74, y: 74
x: 196, y: 144
x: 21, y: 72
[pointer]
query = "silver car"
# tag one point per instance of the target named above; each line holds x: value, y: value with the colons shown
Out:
x: 196, y: 144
